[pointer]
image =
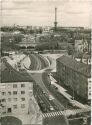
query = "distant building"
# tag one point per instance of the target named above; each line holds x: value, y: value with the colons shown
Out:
x: 29, y: 41
x: 75, y: 75
x: 46, y: 29
x: 85, y: 59
x: 79, y: 45
x: 89, y: 88
x: 14, y: 97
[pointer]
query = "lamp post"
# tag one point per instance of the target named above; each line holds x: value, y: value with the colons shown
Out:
x: 73, y: 92
x: 55, y: 23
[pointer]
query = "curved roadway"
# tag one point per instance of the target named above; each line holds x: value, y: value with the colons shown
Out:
x: 35, y: 63
x: 41, y: 81
x: 38, y: 62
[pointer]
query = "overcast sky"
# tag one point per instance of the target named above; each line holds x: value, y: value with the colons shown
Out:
x: 41, y: 12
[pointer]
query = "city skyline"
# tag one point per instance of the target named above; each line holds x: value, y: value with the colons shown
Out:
x: 45, y: 62
x: 31, y: 12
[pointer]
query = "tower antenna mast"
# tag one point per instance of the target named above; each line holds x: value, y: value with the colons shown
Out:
x: 55, y: 23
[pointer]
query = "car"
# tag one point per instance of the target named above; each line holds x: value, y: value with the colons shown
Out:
x: 43, y: 92
x: 51, y: 97
x: 51, y: 108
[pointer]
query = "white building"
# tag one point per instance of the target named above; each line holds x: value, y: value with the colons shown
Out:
x: 79, y: 45
x: 14, y: 97
x: 89, y: 88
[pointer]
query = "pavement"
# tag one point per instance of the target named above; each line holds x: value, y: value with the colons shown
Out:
x: 68, y: 96
x: 53, y: 58
x: 46, y: 58
x: 51, y: 66
x: 38, y: 79
x: 27, y: 62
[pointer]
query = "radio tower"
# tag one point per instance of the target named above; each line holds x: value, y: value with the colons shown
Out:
x: 55, y: 23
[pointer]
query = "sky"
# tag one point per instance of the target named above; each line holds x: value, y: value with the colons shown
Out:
x: 41, y: 12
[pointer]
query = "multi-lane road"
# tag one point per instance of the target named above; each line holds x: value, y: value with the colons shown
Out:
x: 37, y: 62
x: 42, y: 80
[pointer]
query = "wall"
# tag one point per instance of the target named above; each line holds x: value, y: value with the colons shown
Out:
x: 19, y: 100
x: 74, y: 79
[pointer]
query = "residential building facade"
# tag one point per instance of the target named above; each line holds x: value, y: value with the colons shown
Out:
x: 14, y: 97
x: 74, y: 74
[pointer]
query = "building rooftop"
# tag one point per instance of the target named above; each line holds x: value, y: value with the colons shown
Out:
x: 75, y: 65
x: 8, y: 74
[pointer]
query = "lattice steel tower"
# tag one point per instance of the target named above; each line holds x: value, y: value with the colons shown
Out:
x: 55, y: 23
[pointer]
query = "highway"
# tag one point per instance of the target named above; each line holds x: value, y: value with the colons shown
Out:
x: 39, y: 81
x: 43, y: 100
x: 62, y: 101
x: 44, y: 62
x: 34, y: 63
x: 37, y: 62
x: 59, y: 102
x: 42, y: 79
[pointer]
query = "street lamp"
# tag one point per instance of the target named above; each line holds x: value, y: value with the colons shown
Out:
x: 73, y: 91
x: 73, y: 94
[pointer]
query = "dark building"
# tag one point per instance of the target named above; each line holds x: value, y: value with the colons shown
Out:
x: 74, y: 75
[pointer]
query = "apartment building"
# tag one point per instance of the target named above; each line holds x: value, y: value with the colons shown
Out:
x: 75, y: 75
x: 14, y: 97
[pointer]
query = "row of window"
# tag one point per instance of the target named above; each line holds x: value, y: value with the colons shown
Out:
x: 15, y: 85
x: 14, y: 92
x: 14, y: 99
x: 22, y: 106
x: 16, y: 106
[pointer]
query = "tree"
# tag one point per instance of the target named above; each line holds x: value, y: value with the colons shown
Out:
x: 70, y: 49
x: 10, y: 120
